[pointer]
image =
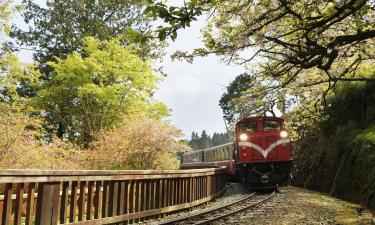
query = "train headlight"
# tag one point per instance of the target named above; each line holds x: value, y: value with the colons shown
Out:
x: 243, y: 137
x: 283, y: 134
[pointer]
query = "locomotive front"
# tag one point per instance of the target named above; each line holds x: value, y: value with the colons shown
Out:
x: 263, y: 152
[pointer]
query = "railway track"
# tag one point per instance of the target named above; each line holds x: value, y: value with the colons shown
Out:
x: 210, y: 215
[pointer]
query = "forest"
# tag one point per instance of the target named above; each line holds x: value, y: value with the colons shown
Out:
x: 197, y: 142
x: 88, y: 99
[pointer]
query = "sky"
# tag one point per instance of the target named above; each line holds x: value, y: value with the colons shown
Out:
x: 191, y: 90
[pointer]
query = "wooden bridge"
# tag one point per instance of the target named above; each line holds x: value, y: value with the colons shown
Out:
x: 102, y: 197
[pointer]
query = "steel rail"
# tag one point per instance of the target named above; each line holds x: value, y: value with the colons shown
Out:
x: 210, y: 220
x: 203, y: 212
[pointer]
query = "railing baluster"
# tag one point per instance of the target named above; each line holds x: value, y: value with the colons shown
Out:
x: 7, y: 207
x: 132, y: 198
x: 90, y: 200
x: 18, y: 205
x: 105, y: 199
x: 30, y: 203
x: 73, y: 202
x: 121, y: 198
x: 138, y: 193
x: 82, y: 201
x: 98, y: 200
x: 64, y: 202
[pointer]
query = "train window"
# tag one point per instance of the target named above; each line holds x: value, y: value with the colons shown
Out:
x: 248, y: 126
x: 271, y: 125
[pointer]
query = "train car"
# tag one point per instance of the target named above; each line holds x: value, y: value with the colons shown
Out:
x: 260, y: 155
x: 263, y: 152
x: 221, y: 155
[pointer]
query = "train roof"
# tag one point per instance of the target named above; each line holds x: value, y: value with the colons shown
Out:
x: 260, y: 118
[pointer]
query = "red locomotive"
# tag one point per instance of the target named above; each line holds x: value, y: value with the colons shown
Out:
x: 261, y: 154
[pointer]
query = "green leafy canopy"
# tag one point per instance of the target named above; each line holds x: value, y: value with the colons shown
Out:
x: 92, y: 92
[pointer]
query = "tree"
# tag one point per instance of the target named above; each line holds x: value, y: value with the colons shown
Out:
x: 93, y: 92
x: 248, y: 96
x: 204, y: 141
x: 194, y: 141
x: 59, y: 29
x: 289, y: 40
x: 5, y: 12
x: 140, y: 143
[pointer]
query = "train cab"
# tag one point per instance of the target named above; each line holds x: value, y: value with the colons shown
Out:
x: 263, y: 151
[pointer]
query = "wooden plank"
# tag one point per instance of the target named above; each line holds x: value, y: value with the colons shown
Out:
x: 113, y: 197
x: 82, y: 201
x: 126, y: 200
x: 173, y: 199
x: 190, y: 184
x: 64, y: 202
x: 131, y: 198
x: 7, y: 207
x: 30, y: 172
x: 142, y: 204
x: 165, y: 193
x: 90, y: 201
x: 148, y: 213
x: 98, y: 200
x: 146, y: 195
x: 152, y: 194
x: 27, y: 176
x: 30, y: 204
x: 73, y: 202
x: 178, y: 191
x: 200, y: 187
x: 121, y: 199
x: 159, y: 194
x: 105, y: 199
x: 192, y: 188
x: 56, y: 201
x: 185, y: 180
x: 138, y: 194
x: 47, y: 203
x: 18, y: 204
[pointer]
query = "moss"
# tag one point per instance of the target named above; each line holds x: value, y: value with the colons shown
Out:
x: 346, y: 213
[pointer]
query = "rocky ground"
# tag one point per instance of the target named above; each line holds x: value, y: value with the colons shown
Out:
x: 290, y: 206
x: 300, y: 206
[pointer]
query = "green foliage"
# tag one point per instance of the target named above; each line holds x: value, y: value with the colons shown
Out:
x: 86, y: 94
x: 337, y: 153
x: 177, y: 17
x: 5, y: 12
x: 59, y: 28
x: 91, y: 87
x: 12, y: 75
x: 248, y: 95
x: 205, y: 141
x: 291, y: 46
x: 367, y: 136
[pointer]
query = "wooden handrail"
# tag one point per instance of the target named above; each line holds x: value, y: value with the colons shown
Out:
x: 50, y: 197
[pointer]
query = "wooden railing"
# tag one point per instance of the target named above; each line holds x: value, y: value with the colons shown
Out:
x: 101, y: 197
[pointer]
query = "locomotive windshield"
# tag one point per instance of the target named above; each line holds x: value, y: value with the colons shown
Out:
x: 272, y: 125
x: 249, y: 126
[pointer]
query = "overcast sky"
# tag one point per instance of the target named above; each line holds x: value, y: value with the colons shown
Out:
x: 191, y: 91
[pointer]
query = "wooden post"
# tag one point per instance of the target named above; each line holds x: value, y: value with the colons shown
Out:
x: 47, y: 204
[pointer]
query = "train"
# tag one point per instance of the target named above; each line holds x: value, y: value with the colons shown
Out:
x: 260, y: 154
